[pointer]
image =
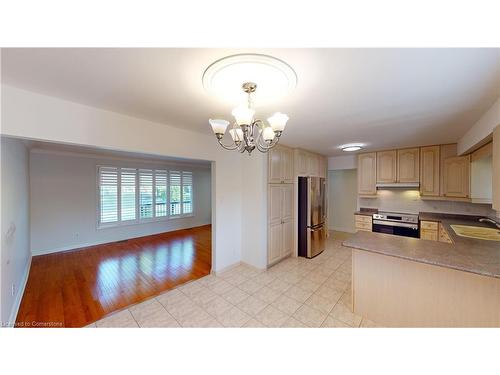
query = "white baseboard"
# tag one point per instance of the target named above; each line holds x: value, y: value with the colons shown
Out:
x: 234, y: 265
x: 19, y: 295
x: 227, y: 268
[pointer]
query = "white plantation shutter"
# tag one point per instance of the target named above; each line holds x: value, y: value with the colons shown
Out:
x: 161, y: 193
x: 108, y: 194
x: 187, y: 192
x: 175, y: 193
x: 128, y: 178
x: 145, y: 193
x: 131, y: 194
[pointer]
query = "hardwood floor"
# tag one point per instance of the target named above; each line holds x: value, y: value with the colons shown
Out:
x: 73, y: 289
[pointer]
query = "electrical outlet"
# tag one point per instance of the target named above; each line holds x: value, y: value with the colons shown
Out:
x: 13, y: 290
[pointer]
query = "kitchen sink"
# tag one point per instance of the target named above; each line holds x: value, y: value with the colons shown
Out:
x: 480, y: 233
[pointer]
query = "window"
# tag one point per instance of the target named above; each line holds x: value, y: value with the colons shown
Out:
x: 175, y: 193
x: 160, y: 193
x: 187, y: 192
x: 129, y: 195
x: 128, y: 181
x: 108, y: 183
x: 145, y: 193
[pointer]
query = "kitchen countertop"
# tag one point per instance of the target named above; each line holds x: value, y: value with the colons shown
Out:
x: 465, y: 254
x: 366, y: 211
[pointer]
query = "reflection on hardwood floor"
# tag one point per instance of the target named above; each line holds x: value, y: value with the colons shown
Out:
x: 73, y: 289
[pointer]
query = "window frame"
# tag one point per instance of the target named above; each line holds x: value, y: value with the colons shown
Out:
x: 138, y: 220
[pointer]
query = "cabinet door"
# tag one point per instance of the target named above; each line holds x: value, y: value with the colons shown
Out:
x: 312, y: 165
x: 287, y: 238
x: 275, y: 204
x: 287, y: 202
x: 367, y: 166
x: 300, y: 163
x: 456, y: 179
x: 287, y: 165
x: 386, y: 166
x: 429, y: 171
x: 408, y: 165
x: 429, y: 234
x: 275, y: 172
x: 322, y: 166
x: 275, y: 248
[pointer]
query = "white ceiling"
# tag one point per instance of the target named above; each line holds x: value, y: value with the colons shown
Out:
x: 383, y: 97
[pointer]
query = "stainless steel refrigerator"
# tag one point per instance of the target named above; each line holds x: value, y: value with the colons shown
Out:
x: 311, y: 216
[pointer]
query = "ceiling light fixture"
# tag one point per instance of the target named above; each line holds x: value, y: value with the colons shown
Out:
x: 247, y: 133
x: 228, y: 76
x: 351, y: 147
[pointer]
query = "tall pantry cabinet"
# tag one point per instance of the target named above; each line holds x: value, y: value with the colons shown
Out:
x: 280, y: 204
x: 285, y: 165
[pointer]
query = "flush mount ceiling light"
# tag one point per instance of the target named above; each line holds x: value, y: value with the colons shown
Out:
x: 238, y: 75
x: 224, y: 78
x: 352, y: 147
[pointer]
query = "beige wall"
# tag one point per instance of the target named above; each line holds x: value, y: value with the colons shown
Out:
x: 342, y: 199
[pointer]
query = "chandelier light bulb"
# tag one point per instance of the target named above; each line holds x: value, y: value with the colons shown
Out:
x: 268, y: 134
x: 236, y: 134
x: 243, y: 115
x: 219, y: 126
x: 278, y: 121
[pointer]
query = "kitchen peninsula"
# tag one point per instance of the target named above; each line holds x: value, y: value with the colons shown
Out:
x: 409, y: 282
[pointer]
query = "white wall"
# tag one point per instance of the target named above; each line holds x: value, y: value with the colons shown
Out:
x: 480, y: 130
x: 15, y: 252
x: 342, y: 199
x: 64, y: 202
x: 254, y: 208
x: 34, y: 116
x: 342, y: 162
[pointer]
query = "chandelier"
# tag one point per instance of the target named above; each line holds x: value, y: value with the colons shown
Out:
x: 246, y: 132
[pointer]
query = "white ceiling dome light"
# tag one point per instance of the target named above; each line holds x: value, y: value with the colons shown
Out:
x: 351, y: 147
x: 274, y: 77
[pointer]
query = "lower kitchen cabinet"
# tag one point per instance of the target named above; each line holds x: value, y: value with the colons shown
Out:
x: 429, y: 230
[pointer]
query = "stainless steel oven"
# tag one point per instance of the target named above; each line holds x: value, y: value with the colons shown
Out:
x: 396, y: 223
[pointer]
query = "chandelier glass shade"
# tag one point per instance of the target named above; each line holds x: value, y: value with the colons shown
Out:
x: 248, y: 133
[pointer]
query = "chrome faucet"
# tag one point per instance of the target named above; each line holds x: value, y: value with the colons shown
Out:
x: 486, y: 220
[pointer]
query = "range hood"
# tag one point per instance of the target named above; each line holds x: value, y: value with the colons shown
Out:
x: 398, y: 185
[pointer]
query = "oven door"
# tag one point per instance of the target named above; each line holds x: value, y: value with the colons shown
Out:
x: 398, y: 229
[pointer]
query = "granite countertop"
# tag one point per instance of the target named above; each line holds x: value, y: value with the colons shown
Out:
x: 366, y: 211
x: 465, y: 254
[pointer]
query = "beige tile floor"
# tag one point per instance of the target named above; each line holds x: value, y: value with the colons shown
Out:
x: 296, y: 292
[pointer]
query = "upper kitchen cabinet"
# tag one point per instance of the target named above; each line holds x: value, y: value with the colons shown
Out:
x: 300, y: 163
x: 280, y: 165
x: 313, y: 164
x: 456, y: 180
x: 309, y: 164
x: 408, y: 165
x: 429, y: 172
x: 367, y: 174
x: 386, y: 167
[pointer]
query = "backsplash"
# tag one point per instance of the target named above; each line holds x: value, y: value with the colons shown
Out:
x: 409, y: 201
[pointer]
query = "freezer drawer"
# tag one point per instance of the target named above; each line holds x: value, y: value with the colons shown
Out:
x: 316, y: 238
